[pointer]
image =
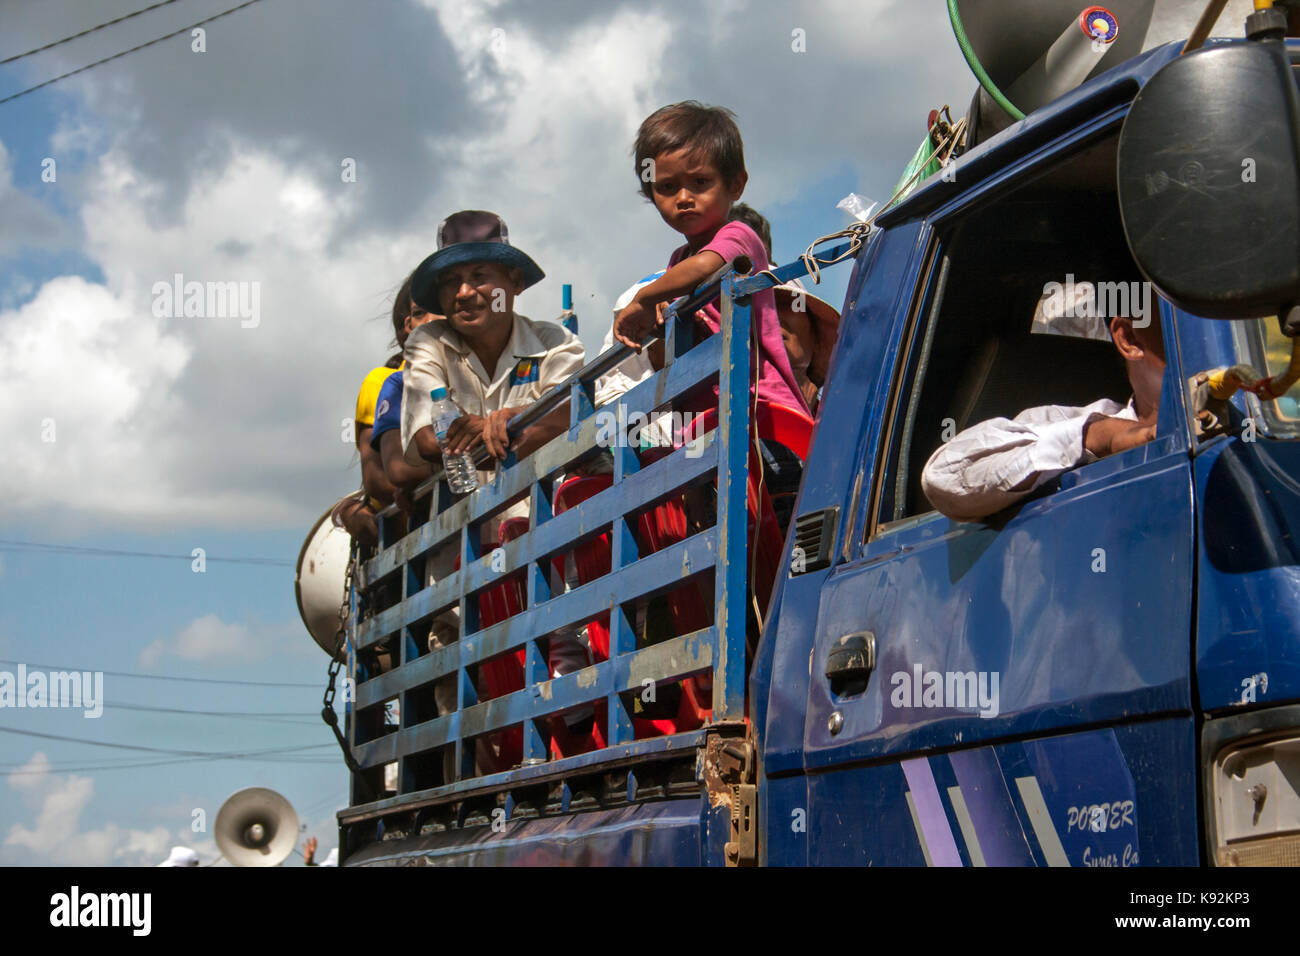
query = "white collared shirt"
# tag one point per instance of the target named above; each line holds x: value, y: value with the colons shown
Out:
x: 538, y: 356
x: 974, y: 474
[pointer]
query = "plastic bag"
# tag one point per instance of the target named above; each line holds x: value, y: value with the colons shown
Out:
x: 860, y: 208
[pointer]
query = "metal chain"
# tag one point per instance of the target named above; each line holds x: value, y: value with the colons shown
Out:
x: 336, y: 663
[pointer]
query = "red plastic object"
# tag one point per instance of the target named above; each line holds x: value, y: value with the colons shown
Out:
x: 592, y: 560
x: 787, y: 427
x: 505, y: 674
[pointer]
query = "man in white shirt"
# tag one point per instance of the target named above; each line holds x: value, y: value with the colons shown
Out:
x: 994, y: 464
x: 494, y: 364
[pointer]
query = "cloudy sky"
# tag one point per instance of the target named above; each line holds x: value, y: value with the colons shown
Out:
x: 131, y: 431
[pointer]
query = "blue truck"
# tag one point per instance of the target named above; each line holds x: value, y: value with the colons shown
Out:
x: 1106, y: 674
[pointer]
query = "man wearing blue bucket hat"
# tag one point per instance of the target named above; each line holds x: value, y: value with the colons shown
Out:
x: 493, y: 362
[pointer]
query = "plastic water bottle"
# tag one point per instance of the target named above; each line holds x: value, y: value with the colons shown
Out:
x: 462, y: 476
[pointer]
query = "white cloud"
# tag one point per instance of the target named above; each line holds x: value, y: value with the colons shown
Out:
x: 80, y: 370
x: 207, y: 639
x: 56, y: 837
x: 166, y: 423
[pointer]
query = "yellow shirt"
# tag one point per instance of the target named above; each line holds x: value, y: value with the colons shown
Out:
x: 368, y: 397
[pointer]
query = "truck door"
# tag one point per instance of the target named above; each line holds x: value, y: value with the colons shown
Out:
x: 1028, y: 697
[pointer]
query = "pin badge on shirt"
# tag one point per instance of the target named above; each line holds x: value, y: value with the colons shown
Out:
x: 527, y: 370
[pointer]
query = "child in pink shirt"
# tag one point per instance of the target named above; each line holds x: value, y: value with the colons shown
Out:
x: 691, y: 163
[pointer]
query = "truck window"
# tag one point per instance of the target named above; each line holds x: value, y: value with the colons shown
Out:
x: 971, y: 354
x: 1261, y: 344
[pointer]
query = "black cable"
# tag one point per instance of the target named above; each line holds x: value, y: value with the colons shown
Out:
x: 114, y: 763
x: 188, y: 680
x: 131, y: 765
x: 108, y: 59
x: 281, y: 715
x: 50, y: 46
x: 40, y: 547
x: 163, y: 750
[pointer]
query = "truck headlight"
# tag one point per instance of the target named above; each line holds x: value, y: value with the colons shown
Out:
x: 1257, y: 803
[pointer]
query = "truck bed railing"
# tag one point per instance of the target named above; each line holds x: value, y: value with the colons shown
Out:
x: 393, y: 605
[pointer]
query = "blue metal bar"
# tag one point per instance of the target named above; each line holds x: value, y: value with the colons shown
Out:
x: 785, y: 273
x: 654, y: 574
x: 731, y: 583
x: 561, y: 533
x: 669, y: 660
x: 523, y: 776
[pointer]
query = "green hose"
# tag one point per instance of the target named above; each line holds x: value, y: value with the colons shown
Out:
x: 977, y: 68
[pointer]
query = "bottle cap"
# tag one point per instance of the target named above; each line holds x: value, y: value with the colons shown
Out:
x: 438, y: 394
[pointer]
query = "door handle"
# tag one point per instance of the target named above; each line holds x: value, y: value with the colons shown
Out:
x: 850, y: 662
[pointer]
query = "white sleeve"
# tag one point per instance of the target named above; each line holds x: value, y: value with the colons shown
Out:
x: 996, y: 463
x: 636, y: 368
x: 424, y: 372
x: 631, y: 371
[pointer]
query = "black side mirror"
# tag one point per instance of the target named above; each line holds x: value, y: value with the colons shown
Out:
x: 1209, y: 180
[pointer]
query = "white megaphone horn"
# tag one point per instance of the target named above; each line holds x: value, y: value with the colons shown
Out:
x: 256, y: 827
x: 319, y: 582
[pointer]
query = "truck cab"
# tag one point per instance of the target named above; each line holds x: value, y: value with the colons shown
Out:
x: 1105, y: 674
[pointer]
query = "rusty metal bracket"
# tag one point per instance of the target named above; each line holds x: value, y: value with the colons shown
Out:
x: 729, y: 772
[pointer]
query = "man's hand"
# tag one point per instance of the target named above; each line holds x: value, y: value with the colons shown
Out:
x: 1110, y: 436
x: 495, y: 437
x: 465, y: 434
x: 634, y: 323
x: 402, y: 495
x: 359, y: 521
x: 309, y: 852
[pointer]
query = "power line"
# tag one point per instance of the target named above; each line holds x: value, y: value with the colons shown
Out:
x: 288, y: 717
x: 282, y: 751
x: 40, y: 547
x: 75, y: 36
x: 132, y: 765
x: 188, y: 680
x: 109, y: 59
x: 115, y: 763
